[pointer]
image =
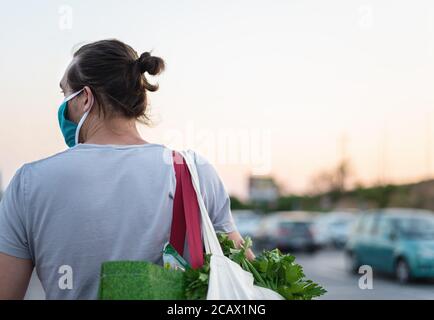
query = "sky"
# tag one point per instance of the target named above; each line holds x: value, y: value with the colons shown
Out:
x: 280, y: 88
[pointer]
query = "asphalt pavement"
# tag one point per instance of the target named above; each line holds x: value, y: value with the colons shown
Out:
x: 328, y: 268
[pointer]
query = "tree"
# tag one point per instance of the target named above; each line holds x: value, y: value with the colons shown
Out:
x: 332, y: 181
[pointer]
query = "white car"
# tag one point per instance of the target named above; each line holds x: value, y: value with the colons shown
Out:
x: 247, y: 222
x: 333, y: 229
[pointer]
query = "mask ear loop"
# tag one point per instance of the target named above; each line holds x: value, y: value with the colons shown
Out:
x: 72, y: 96
x: 80, y: 123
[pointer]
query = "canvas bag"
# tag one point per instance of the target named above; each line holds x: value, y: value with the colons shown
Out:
x: 227, y: 280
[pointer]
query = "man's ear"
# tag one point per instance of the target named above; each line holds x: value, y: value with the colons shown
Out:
x: 89, y: 99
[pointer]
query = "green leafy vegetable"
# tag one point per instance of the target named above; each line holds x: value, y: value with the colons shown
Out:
x: 197, y: 281
x: 271, y: 269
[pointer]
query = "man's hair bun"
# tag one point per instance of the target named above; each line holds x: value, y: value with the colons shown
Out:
x: 150, y: 64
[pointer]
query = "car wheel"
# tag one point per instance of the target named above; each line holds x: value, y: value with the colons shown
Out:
x: 312, y: 249
x: 352, y: 262
x: 402, y: 271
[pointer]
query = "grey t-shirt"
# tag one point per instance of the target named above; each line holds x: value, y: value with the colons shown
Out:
x: 94, y: 203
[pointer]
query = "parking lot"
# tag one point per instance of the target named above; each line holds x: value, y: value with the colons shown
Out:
x: 328, y: 268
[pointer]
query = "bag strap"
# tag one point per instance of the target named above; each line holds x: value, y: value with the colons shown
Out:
x: 186, y: 214
x: 211, y: 242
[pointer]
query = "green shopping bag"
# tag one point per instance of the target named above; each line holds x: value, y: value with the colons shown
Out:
x: 141, y: 280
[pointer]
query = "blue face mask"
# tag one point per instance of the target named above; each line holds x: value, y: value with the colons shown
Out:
x: 70, y: 130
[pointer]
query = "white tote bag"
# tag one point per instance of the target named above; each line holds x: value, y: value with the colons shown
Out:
x: 227, y: 280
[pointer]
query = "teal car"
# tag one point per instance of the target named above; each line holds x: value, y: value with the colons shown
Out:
x: 394, y: 241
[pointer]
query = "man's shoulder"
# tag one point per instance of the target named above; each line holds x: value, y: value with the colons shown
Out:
x: 47, y: 160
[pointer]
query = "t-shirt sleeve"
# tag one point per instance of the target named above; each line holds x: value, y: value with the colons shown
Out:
x: 215, y: 196
x: 13, y: 236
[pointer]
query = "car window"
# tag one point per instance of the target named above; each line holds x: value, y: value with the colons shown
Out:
x: 416, y: 227
x: 366, y: 224
x: 383, y: 228
x: 360, y: 225
x: 373, y: 229
x: 295, y: 227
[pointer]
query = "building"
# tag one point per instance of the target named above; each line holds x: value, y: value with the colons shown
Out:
x: 263, y: 189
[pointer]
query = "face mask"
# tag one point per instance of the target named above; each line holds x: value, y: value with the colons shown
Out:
x: 70, y: 130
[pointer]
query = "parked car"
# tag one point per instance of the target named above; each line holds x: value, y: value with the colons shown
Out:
x: 395, y: 241
x: 247, y: 222
x: 333, y: 229
x: 289, y: 231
